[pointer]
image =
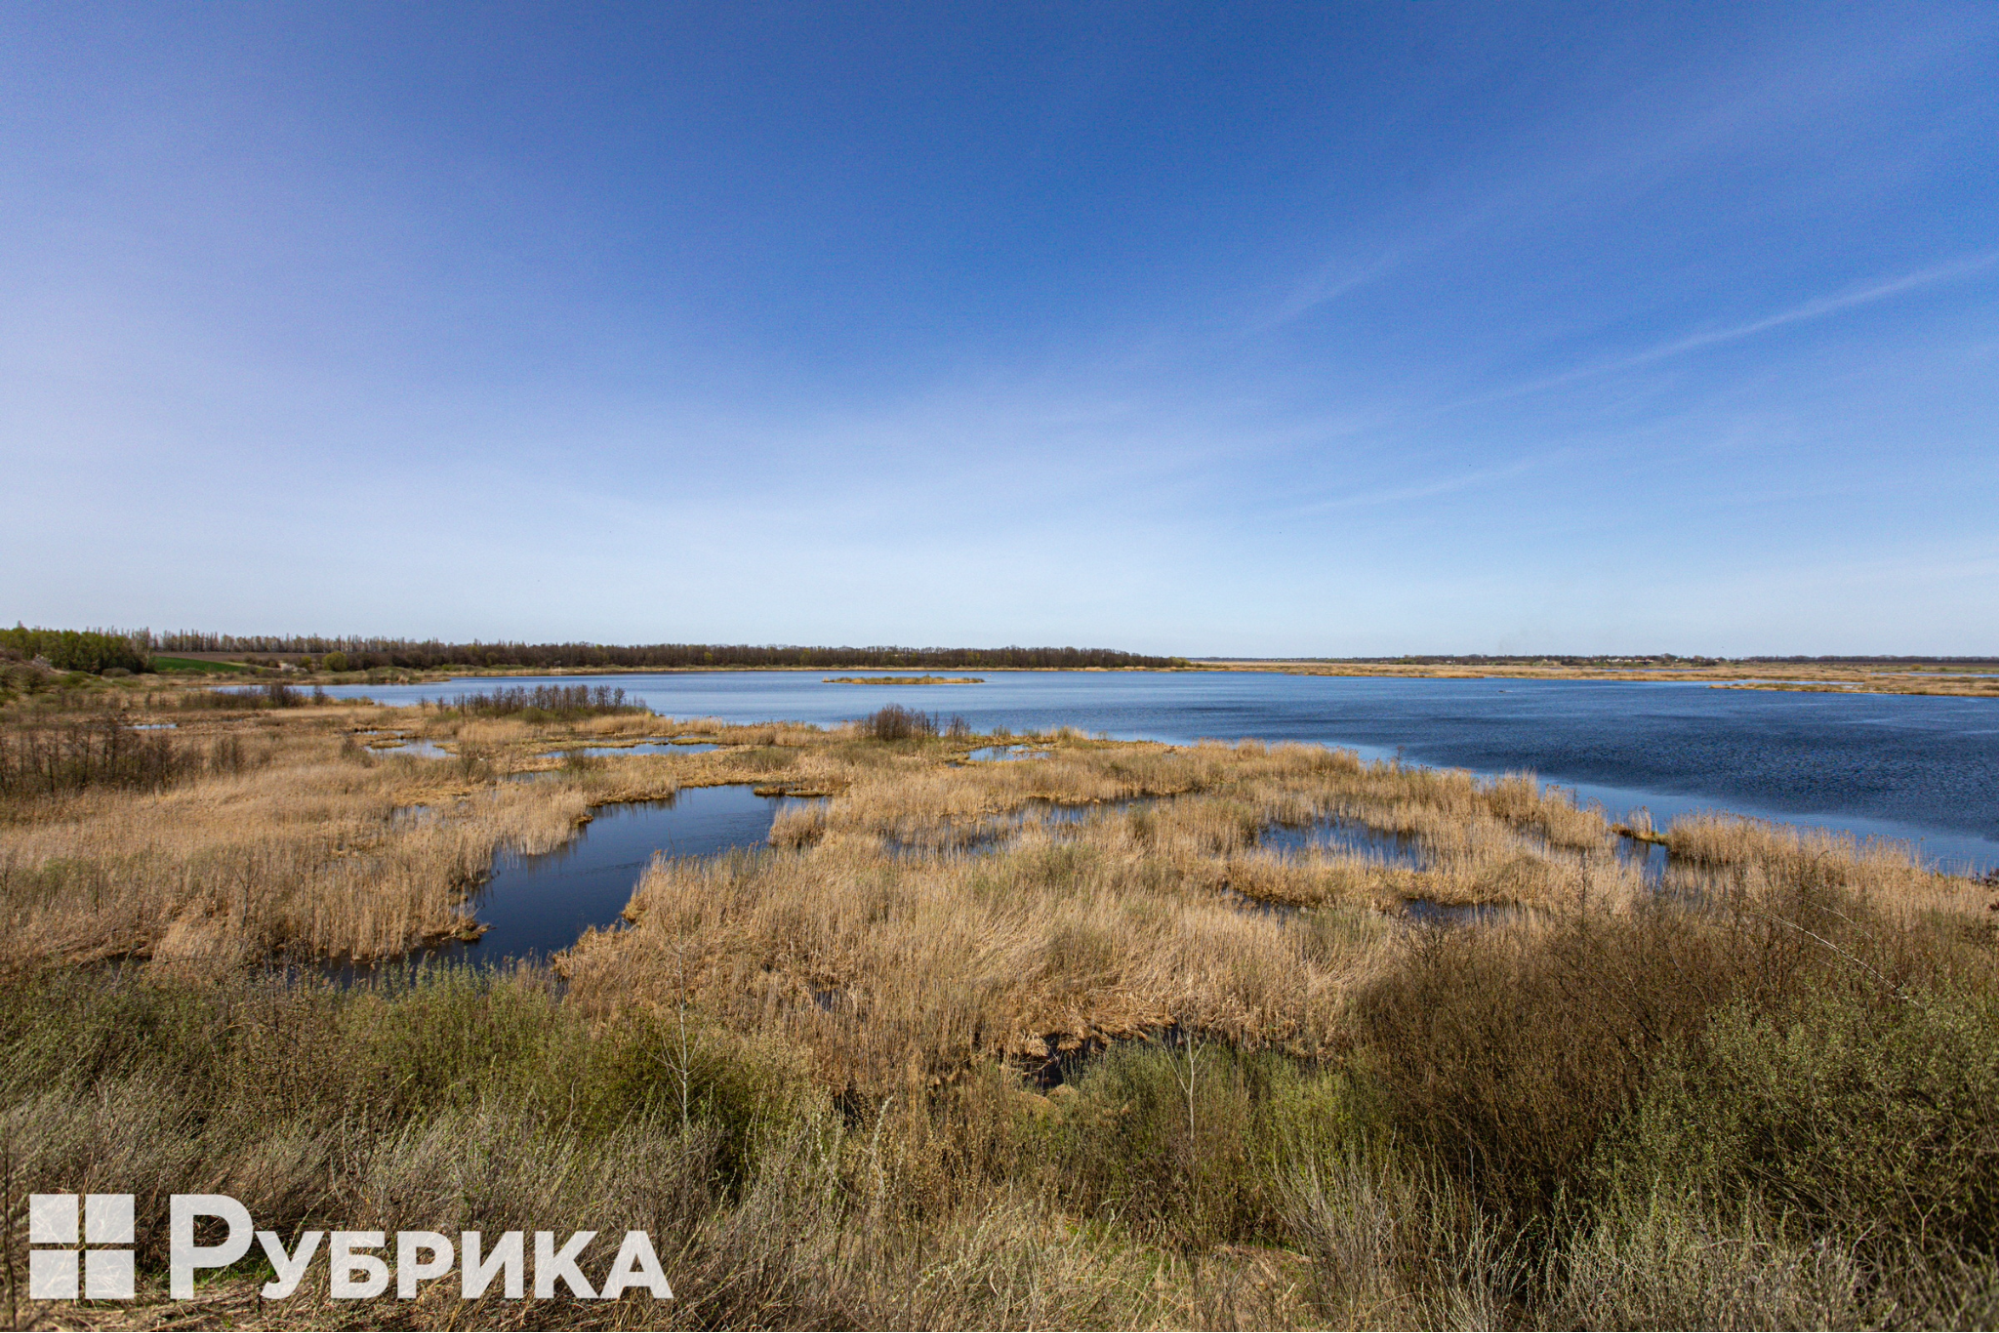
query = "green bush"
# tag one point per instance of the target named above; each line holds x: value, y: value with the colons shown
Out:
x: 1198, y: 1145
x: 92, y: 651
x: 273, y: 1056
x: 1846, y: 1113
x: 1504, y: 1056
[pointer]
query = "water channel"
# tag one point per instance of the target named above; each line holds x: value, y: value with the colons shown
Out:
x: 535, y: 906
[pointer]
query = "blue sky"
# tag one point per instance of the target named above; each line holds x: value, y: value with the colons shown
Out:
x: 1281, y: 329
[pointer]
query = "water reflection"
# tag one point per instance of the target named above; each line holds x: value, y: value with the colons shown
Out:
x: 534, y: 906
x: 998, y: 832
x: 1343, y: 837
x: 1002, y: 754
x: 421, y: 749
x: 1650, y: 858
x: 643, y: 747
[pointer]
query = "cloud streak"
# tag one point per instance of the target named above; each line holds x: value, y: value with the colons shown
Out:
x: 1815, y: 309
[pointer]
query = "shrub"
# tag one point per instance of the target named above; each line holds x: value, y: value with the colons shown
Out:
x: 1507, y: 1054
x: 543, y: 703
x: 1847, y: 1112
x: 102, y: 752
x: 266, y: 1063
x: 1198, y: 1143
x: 893, y: 722
x: 92, y: 651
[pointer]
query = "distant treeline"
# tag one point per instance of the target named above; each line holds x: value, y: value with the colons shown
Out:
x: 1605, y: 659
x: 362, y: 653
x: 1876, y: 661
x: 92, y: 650
x: 1513, y: 659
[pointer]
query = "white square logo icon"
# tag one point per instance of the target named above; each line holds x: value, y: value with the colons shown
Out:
x: 52, y: 1219
x: 107, y: 1219
x: 107, y: 1275
x: 96, y: 1273
x: 52, y: 1275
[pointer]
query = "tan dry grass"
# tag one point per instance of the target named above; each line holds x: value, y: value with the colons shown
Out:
x: 881, y: 937
x: 1751, y: 857
x: 309, y: 852
x: 1823, y: 677
x: 891, y: 969
x: 927, y: 904
x: 885, y: 958
x: 304, y: 853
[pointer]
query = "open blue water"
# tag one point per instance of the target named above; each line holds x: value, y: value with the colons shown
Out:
x: 643, y: 747
x: 535, y: 906
x: 1911, y: 767
x: 1343, y: 837
x: 420, y: 749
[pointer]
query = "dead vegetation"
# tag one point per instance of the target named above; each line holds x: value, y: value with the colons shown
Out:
x: 1960, y: 679
x: 1064, y: 1041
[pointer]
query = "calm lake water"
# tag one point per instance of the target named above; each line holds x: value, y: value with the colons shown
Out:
x: 1925, y: 770
x: 540, y: 904
x: 535, y: 906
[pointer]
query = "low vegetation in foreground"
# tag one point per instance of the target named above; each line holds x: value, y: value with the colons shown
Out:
x: 1064, y: 1041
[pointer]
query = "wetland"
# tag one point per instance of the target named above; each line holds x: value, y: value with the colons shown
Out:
x: 880, y: 1020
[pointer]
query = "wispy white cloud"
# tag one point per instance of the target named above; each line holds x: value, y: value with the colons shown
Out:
x: 1461, y: 481
x: 1328, y: 284
x: 1816, y: 308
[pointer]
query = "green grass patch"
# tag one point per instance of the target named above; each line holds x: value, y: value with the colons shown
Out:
x: 194, y: 664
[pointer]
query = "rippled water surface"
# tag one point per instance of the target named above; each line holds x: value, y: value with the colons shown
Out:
x: 1920, y: 768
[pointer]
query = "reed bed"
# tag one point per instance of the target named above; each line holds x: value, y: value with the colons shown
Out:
x: 890, y: 971
x: 301, y: 853
x: 1064, y: 1041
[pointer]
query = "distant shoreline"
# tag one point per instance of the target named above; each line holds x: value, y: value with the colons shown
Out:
x: 1955, y: 677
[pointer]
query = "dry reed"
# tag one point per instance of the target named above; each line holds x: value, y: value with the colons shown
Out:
x: 1058, y: 1041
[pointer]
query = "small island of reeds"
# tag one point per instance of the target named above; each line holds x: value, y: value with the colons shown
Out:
x: 903, y: 680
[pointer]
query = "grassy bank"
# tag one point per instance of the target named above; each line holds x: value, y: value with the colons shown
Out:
x: 1961, y: 678
x: 1061, y: 1041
